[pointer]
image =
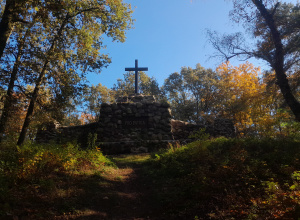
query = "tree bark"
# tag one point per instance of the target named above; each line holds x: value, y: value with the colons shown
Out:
x: 10, y: 90
x: 8, y: 99
x: 6, y: 24
x: 278, y: 63
x: 31, y: 105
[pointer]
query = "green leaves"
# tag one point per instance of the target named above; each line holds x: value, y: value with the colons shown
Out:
x: 192, y: 93
x: 231, y: 178
x: 62, y: 43
x: 147, y: 85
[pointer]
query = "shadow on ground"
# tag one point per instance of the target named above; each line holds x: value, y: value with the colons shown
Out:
x: 118, y: 193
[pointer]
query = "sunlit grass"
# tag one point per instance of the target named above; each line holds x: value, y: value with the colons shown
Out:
x: 131, y: 158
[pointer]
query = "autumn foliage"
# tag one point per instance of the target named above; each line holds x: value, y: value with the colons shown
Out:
x: 250, y: 100
x: 243, y: 93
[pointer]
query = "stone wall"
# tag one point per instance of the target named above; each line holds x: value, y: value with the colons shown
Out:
x: 80, y: 134
x: 182, y: 130
x: 134, y: 123
x: 223, y: 127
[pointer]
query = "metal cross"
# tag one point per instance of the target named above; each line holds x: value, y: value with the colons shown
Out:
x: 137, y: 69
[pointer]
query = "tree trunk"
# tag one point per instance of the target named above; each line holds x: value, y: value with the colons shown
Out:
x: 278, y: 64
x: 197, y: 109
x: 6, y: 24
x: 38, y: 85
x: 10, y: 90
x: 31, y: 105
x: 8, y: 100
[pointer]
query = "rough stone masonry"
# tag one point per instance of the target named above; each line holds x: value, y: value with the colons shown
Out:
x: 135, y: 123
x: 135, y: 120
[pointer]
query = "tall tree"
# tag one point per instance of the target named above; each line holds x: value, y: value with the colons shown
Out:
x: 147, y: 85
x: 192, y: 93
x: 181, y: 100
x: 253, y: 103
x: 65, y: 43
x: 17, y: 50
x: 240, y: 95
x: 275, y: 26
x: 202, y: 83
x: 14, y: 11
x: 94, y: 96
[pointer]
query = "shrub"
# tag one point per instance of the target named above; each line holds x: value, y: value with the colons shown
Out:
x: 31, y: 164
x: 231, y: 178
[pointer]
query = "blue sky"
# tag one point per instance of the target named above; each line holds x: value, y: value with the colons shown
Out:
x: 167, y: 35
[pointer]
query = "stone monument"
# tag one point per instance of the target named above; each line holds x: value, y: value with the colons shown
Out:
x: 135, y: 123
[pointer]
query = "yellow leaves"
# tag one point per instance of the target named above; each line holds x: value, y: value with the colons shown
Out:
x: 69, y: 164
x: 30, y: 166
x: 86, y: 118
x: 244, y: 95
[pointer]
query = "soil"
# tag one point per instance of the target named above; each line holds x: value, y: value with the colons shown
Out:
x: 123, y: 193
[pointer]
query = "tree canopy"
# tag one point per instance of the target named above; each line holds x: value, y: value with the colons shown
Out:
x: 60, y: 43
x: 275, y: 27
x: 147, y: 85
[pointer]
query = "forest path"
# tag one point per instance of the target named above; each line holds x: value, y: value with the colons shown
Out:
x: 122, y: 193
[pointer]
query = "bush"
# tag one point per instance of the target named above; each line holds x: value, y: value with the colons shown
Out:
x: 32, y: 165
x: 231, y: 178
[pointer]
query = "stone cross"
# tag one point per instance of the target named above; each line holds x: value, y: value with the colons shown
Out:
x: 137, y: 69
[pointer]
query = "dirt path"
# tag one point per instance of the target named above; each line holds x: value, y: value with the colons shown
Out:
x: 121, y: 194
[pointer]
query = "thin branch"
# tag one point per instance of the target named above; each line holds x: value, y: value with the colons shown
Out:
x: 275, y: 8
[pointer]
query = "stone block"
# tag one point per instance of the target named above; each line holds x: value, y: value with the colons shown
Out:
x: 107, y: 109
x: 128, y: 111
x: 159, y: 137
x: 139, y: 105
x: 165, y: 105
x: 154, y: 137
x: 141, y: 111
x: 106, y: 120
x: 114, y: 106
x: 104, y: 105
x: 118, y: 112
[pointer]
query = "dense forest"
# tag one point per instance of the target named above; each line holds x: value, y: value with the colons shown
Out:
x: 47, y: 49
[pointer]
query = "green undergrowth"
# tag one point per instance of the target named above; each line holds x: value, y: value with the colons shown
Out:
x: 36, y: 175
x: 228, y: 179
x: 131, y: 160
x: 207, y: 179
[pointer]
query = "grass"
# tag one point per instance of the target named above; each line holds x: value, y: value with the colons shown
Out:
x: 229, y: 179
x: 130, y: 160
x: 207, y: 179
x: 65, y: 182
x: 36, y: 177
